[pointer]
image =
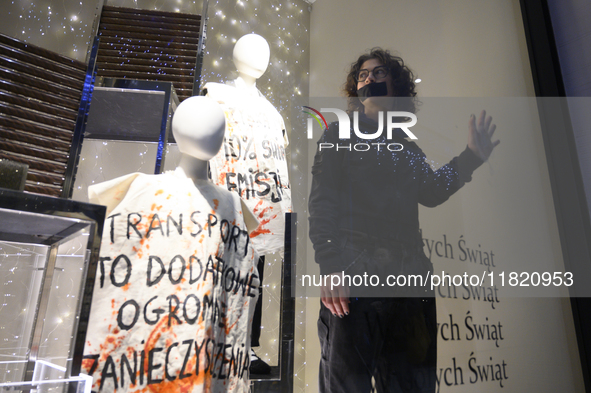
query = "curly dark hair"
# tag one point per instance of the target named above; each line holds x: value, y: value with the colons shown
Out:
x: 402, y: 80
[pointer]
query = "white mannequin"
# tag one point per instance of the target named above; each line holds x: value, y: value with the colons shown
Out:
x: 247, y: 166
x: 251, y: 57
x: 252, y: 118
x: 152, y: 202
x: 198, y: 127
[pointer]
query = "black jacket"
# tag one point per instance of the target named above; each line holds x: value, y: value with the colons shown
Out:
x: 375, y: 192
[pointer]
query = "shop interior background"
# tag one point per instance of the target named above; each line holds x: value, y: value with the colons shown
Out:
x: 67, y: 27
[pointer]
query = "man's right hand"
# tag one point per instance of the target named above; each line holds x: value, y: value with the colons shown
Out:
x: 337, y: 298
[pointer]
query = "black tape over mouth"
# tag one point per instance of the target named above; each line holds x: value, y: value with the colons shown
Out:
x: 378, y: 89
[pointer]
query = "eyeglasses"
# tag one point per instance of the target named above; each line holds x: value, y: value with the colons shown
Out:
x: 379, y: 72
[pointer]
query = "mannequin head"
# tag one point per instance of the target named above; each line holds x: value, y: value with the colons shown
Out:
x: 251, y: 56
x: 198, y: 126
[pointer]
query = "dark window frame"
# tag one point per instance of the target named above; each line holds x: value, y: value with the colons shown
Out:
x: 570, y: 203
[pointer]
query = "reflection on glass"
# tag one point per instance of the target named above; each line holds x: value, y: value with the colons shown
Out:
x: 61, y: 318
x: 24, y: 273
x: 102, y: 160
x: 21, y: 273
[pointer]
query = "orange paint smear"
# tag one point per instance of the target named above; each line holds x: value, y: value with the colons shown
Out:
x: 177, y: 386
x: 260, y: 230
x: 229, y: 328
x: 264, y: 211
x: 87, y: 364
x: 256, y: 207
x: 139, y: 252
x: 159, y: 192
x: 222, y: 179
x: 185, y: 385
x: 110, y: 344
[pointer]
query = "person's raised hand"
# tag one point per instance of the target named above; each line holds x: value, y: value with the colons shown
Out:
x: 480, y: 136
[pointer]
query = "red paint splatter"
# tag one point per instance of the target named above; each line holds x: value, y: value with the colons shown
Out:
x: 87, y: 364
x: 260, y: 230
x: 139, y: 252
x: 256, y: 207
x: 177, y: 386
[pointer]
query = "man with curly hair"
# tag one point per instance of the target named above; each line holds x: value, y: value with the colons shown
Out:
x: 364, y: 220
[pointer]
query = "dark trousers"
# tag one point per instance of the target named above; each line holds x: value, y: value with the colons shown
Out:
x: 392, y: 340
x: 258, y: 309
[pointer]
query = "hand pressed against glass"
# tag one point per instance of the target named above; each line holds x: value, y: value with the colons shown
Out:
x: 480, y: 136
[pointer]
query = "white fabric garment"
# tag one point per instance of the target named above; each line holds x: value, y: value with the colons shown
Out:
x: 252, y: 161
x: 175, y: 288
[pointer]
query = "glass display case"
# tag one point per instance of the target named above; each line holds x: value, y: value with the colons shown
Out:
x: 48, y: 253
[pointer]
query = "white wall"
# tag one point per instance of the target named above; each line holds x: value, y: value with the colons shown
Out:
x: 465, y: 48
x: 458, y: 48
